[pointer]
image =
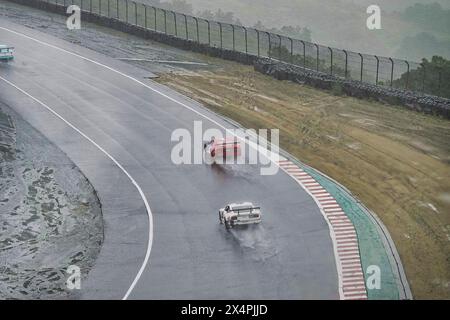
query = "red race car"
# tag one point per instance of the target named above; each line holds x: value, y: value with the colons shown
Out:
x: 229, y: 147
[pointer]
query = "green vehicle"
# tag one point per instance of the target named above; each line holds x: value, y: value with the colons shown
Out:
x: 6, y: 53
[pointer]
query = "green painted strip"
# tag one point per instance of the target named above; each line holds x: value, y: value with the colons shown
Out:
x: 372, y: 249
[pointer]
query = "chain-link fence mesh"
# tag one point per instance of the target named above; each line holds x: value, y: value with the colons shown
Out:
x: 383, y: 71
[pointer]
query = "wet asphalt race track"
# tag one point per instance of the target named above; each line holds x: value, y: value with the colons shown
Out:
x: 288, y: 256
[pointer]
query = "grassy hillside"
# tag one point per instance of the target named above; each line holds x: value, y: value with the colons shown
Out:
x: 396, y: 161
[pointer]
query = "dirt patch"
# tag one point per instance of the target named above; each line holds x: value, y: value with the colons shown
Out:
x: 395, y: 161
x: 50, y: 216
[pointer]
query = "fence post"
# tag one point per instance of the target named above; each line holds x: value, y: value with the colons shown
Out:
x: 304, y: 53
x: 246, y: 43
x: 165, y: 21
x: 135, y: 14
x: 279, y: 47
x: 257, y: 39
x: 232, y: 28
x: 100, y: 7
x: 270, y: 45
x: 126, y: 11
x: 423, y: 79
x: 196, y: 25
x: 407, y: 75
x: 317, y: 57
x: 175, y: 19
x: 440, y: 81
x: 154, y: 10
x: 186, y: 27
x: 117, y: 9
x: 145, y: 16
x: 362, y: 66
x: 378, y: 67
x: 392, y: 71
x: 209, y: 32
x: 331, y: 60
x: 90, y: 6
x: 220, y: 30
x: 292, y: 49
x: 346, y: 63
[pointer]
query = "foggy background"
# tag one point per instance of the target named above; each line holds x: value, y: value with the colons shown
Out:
x: 411, y: 29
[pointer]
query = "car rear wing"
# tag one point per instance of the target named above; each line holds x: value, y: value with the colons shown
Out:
x: 246, y: 209
x: 225, y: 143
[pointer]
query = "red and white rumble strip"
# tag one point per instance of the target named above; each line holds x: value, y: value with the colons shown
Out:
x: 345, y: 241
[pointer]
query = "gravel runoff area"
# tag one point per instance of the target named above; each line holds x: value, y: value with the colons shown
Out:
x: 50, y: 216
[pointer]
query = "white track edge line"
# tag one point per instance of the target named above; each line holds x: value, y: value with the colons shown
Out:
x: 149, y: 212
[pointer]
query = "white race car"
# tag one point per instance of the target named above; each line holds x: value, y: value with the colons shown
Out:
x: 238, y: 214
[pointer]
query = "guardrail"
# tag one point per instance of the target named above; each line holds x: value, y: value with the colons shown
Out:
x: 378, y: 70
